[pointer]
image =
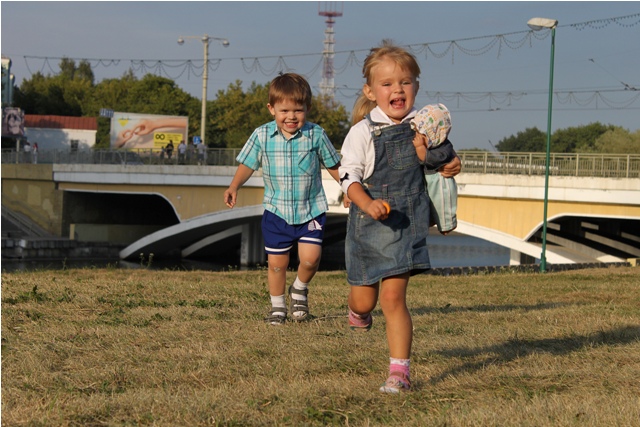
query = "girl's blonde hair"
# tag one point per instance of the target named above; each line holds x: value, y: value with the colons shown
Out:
x: 404, y: 59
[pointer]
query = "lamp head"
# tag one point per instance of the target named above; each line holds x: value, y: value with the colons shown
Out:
x: 537, y: 24
x: 180, y: 41
x: 225, y: 43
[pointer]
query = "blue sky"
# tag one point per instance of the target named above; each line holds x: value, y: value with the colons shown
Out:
x: 499, y: 92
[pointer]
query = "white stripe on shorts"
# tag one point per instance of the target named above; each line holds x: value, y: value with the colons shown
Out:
x: 311, y: 240
x: 268, y: 249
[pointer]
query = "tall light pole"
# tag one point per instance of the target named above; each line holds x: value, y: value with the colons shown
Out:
x: 205, y: 74
x: 537, y: 24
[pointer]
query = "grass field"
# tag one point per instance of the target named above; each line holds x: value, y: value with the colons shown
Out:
x: 112, y: 347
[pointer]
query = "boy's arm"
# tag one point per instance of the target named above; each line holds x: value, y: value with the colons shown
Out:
x: 243, y: 173
x: 333, y: 171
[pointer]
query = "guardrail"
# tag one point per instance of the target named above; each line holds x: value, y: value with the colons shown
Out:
x: 580, y: 165
x: 583, y: 165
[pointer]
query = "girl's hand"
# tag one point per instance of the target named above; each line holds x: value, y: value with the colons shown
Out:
x: 378, y: 209
x: 420, y: 143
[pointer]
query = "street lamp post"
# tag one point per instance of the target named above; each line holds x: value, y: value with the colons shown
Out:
x: 205, y: 75
x: 537, y: 24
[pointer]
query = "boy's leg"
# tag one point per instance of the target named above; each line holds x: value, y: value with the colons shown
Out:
x: 309, y: 257
x: 277, y: 244
x: 276, y: 278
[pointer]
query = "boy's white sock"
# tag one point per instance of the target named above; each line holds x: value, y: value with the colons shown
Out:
x: 277, y: 302
x: 297, y: 284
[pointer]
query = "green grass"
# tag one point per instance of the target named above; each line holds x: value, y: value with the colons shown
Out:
x: 105, y: 347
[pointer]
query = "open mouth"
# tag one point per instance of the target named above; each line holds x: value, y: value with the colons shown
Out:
x: 397, y: 103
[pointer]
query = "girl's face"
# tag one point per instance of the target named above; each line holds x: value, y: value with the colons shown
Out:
x: 392, y: 89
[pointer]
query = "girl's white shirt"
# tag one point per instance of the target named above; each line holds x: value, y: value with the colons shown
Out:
x: 358, y: 152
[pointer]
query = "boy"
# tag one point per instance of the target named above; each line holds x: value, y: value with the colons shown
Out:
x: 290, y: 152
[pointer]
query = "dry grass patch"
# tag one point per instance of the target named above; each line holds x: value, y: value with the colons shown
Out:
x: 94, y: 347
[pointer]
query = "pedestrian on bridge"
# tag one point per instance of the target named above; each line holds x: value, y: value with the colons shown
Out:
x: 388, y: 221
x: 290, y: 151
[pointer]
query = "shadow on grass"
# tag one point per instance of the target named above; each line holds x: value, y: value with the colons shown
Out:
x: 484, y: 308
x: 515, y: 348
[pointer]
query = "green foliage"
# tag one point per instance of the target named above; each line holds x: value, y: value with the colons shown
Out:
x: 333, y: 118
x: 578, y: 139
x: 618, y: 141
x: 235, y: 114
x: 532, y: 139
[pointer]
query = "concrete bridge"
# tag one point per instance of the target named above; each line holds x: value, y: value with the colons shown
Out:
x: 178, y: 210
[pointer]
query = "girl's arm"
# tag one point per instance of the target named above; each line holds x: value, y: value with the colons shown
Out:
x: 375, y: 208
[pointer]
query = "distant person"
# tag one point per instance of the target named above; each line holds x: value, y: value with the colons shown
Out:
x: 290, y: 151
x: 388, y: 222
x: 169, y: 149
x: 34, y: 153
x: 182, y: 149
x: 163, y: 152
x: 27, y: 152
x: 432, y: 125
x: 202, y: 153
x: 190, y: 152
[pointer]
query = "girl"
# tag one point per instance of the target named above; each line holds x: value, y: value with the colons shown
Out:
x: 389, y: 215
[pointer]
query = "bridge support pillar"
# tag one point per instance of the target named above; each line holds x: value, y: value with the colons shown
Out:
x: 252, y: 245
x: 515, y: 257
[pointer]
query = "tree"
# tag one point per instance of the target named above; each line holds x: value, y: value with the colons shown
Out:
x: 62, y: 94
x: 151, y: 94
x: 532, y: 139
x: 618, y: 141
x: 235, y: 114
x: 333, y: 118
x: 579, y: 139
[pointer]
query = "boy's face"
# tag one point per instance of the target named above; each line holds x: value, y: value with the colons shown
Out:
x: 289, y: 115
x: 392, y: 89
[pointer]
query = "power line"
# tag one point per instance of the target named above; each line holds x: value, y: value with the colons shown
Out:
x: 435, y: 50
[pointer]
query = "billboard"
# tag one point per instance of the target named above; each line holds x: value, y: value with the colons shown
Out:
x: 130, y: 130
x: 12, y: 122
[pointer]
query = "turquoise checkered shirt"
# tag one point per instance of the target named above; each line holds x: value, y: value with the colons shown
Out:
x: 291, y: 169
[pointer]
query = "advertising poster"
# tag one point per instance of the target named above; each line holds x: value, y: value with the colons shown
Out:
x: 134, y: 131
x: 12, y: 122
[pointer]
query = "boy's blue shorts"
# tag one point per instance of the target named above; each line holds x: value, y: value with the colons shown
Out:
x: 279, y: 236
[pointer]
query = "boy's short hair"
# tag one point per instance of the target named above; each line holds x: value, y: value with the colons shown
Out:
x: 290, y: 86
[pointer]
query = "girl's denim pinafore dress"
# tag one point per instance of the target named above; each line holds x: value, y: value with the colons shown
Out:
x: 378, y: 249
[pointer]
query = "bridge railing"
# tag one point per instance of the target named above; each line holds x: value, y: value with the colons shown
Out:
x: 580, y: 165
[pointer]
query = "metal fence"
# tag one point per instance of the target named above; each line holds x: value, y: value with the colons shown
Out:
x: 580, y: 165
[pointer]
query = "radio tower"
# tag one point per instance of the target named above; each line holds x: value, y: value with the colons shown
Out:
x: 330, y: 10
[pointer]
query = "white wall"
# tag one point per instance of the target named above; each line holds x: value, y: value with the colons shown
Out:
x: 60, y: 139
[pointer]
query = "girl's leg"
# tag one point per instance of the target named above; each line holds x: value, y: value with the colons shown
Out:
x: 363, y: 299
x: 393, y: 302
